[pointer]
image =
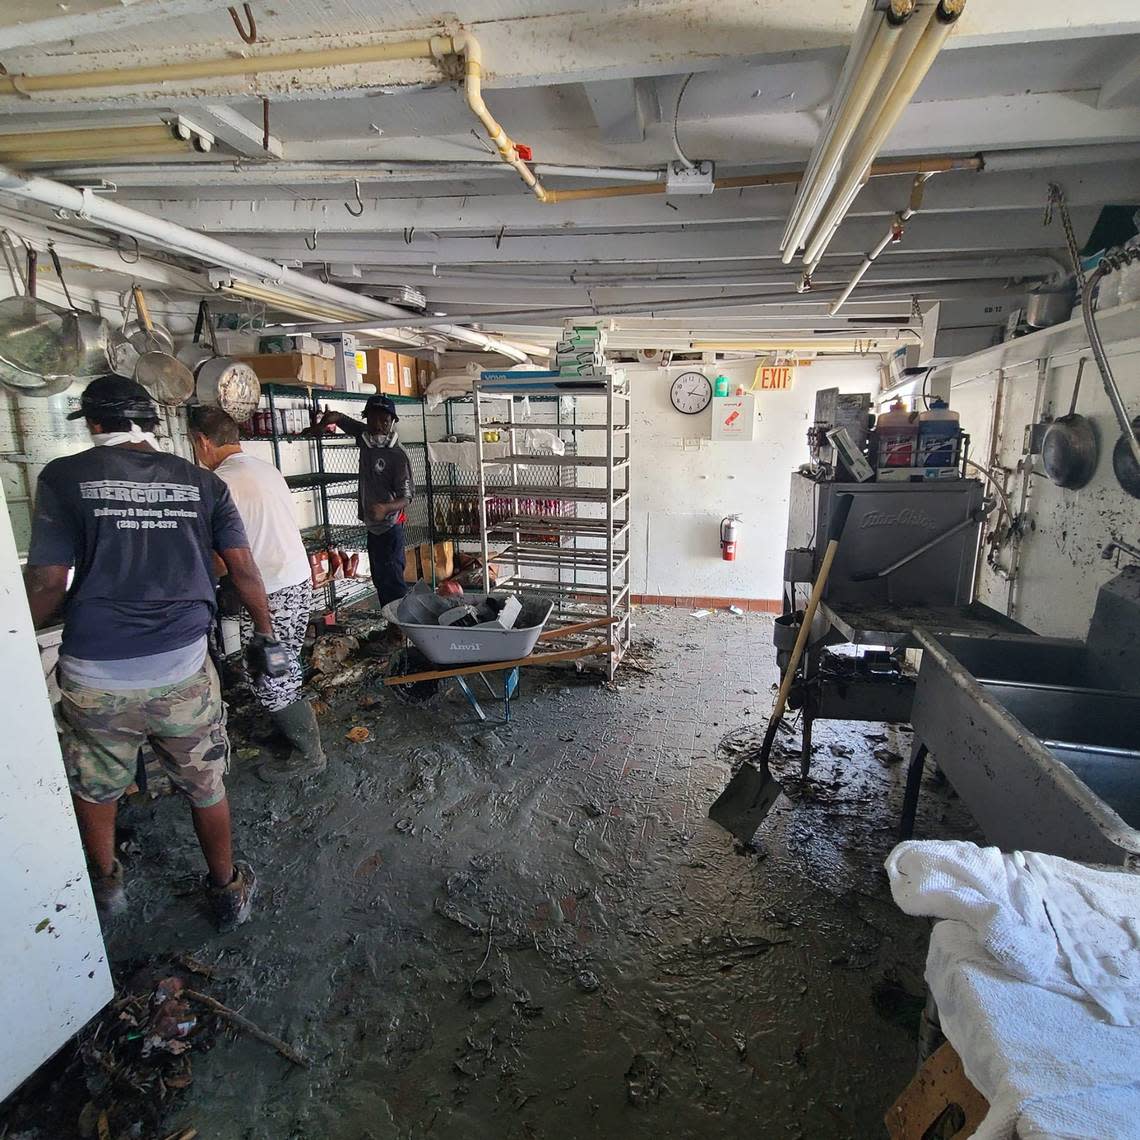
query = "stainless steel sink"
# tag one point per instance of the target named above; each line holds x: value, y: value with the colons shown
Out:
x: 1039, y: 736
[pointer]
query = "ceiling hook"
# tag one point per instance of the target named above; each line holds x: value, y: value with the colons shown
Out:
x: 248, y: 35
x: 409, y: 233
x: 359, y: 201
x: 311, y: 243
x: 499, y: 237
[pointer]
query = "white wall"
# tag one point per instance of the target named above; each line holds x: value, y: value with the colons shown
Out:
x: 1061, y: 568
x: 684, y: 484
x: 55, y: 974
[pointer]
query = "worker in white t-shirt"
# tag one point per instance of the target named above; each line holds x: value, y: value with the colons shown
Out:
x: 263, y: 500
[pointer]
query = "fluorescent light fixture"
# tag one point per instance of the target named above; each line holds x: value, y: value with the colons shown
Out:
x: 157, y: 140
x: 306, y: 307
x: 893, y: 50
x: 863, y: 345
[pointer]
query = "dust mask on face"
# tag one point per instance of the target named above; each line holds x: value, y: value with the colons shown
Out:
x: 372, y: 439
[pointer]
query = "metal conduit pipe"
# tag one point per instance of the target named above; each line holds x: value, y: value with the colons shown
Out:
x: 122, y: 219
x: 931, y: 165
x: 856, y: 167
x: 894, y: 234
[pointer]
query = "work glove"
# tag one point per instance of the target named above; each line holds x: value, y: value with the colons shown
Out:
x: 265, y: 656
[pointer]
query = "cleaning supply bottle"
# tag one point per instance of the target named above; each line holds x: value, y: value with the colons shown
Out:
x: 720, y: 387
x: 938, y: 432
x: 897, y: 434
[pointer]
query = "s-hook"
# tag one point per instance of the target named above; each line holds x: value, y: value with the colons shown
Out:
x: 359, y: 201
x: 311, y: 243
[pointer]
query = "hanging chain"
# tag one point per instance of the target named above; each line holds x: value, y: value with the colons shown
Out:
x: 1056, y: 199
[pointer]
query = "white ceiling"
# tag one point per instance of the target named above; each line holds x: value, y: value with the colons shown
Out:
x: 597, y: 85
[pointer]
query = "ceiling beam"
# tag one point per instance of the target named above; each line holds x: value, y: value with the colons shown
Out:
x: 236, y: 131
x: 591, y: 42
x: 1122, y: 87
x: 961, y: 192
x: 621, y: 108
x: 1021, y: 230
x: 103, y: 16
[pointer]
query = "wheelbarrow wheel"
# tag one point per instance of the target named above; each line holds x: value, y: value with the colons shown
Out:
x: 416, y: 693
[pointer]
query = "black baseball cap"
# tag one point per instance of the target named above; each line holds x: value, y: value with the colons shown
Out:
x: 381, y: 404
x: 115, y: 396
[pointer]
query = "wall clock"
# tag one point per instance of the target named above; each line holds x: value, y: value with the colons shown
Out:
x: 691, y: 393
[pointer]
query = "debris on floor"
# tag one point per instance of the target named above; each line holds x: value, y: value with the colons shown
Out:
x: 490, y: 930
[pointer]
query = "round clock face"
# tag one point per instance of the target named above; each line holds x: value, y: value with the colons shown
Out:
x: 691, y: 393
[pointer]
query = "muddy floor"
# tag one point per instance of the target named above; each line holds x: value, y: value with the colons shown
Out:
x: 534, y: 931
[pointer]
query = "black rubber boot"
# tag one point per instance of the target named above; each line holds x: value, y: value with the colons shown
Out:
x: 298, y: 723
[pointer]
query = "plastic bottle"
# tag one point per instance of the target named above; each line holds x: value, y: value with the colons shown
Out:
x: 938, y: 432
x: 897, y: 435
x: 720, y: 387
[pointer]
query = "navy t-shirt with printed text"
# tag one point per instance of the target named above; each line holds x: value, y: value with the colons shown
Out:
x: 139, y: 527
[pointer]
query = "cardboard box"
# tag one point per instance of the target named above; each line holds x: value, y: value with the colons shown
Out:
x: 407, y: 366
x: 383, y: 370
x: 419, y: 561
x: 425, y: 374
x: 293, y: 368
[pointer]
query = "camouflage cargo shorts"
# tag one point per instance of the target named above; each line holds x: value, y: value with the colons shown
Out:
x: 184, y: 723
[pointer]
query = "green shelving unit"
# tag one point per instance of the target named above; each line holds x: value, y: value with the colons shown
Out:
x: 332, y: 479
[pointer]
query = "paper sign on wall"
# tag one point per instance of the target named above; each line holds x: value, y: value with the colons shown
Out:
x: 734, y: 417
x: 774, y: 378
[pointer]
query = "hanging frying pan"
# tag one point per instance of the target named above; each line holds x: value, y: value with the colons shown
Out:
x: 1124, y: 465
x: 166, y: 378
x: 1069, y: 450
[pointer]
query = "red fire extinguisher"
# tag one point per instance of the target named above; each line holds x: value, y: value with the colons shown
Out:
x: 728, y: 531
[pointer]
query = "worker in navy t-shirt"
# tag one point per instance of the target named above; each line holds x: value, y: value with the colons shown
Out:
x: 138, y: 525
x: 385, y: 490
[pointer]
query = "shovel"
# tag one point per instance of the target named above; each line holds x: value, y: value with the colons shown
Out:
x: 742, y: 806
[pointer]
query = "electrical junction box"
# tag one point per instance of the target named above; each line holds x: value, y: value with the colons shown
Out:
x: 695, y: 179
x: 734, y: 417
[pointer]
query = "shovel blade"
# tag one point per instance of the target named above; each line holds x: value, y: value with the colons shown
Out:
x: 742, y: 807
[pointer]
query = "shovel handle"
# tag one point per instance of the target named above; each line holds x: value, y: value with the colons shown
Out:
x: 834, y: 534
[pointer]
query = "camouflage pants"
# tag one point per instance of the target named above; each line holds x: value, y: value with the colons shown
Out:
x: 185, y: 724
x: 289, y: 612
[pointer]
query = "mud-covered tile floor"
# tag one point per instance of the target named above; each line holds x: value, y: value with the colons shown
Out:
x: 647, y: 977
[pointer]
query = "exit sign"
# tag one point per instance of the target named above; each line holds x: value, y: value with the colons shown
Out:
x: 774, y: 378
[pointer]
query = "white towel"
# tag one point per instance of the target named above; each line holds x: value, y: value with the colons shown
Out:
x: 1057, y: 924
x: 1050, y: 1066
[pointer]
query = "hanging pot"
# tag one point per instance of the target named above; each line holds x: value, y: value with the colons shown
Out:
x: 93, y: 334
x: 221, y: 381
x: 38, y: 339
x: 167, y: 379
x: 1069, y: 450
x: 231, y: 385
x: 21, y: 383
